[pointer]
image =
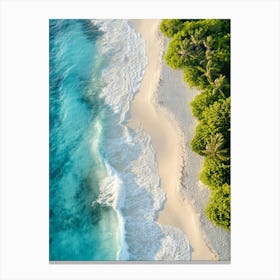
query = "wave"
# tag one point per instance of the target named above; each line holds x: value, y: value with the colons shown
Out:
x: 174, y: 245
x: 125, y: 50
x: 132, y: 185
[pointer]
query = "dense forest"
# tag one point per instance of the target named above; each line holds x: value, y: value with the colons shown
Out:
x: 201, y: 48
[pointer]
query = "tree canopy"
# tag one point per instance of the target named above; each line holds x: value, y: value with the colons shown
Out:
x: 201, y: 49
x: 218, y: 208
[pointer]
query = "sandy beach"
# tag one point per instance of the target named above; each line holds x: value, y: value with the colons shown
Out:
x: 168, y: 141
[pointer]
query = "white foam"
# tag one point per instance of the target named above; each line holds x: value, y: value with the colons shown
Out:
x: 109, y: 189
x: 174, y: 246
x: 126, y: 51
x: 133, y: 185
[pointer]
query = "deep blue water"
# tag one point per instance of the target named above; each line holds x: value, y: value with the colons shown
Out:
x: 78, y: 229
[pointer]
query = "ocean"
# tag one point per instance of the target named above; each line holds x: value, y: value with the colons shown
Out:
x: 104, y: 191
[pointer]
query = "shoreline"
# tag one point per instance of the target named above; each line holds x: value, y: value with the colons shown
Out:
x: 191, y: 188
x: 158, y: 122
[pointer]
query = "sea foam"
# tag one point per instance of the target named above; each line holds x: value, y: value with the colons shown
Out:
x: 132, y: 186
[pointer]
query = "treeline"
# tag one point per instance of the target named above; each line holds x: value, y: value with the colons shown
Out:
x: 201, y: 48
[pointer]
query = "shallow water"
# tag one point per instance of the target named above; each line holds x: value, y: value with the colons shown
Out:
x: 105, y: 190
x: 78, y: 231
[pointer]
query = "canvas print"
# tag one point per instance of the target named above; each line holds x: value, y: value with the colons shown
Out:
x: 139, y: 140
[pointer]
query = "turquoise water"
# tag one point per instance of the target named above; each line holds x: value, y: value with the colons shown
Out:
x: 105, y: 191
x: 79, y: 229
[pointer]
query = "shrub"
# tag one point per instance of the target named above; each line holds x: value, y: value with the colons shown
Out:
x: 194, y: 78
x: 215, y: 172
x: 201, y: 138
x: 202, y: 101
x: 218, y: 208
x: 169, y: 27
x: 214, y: 119
x: 217, y: 118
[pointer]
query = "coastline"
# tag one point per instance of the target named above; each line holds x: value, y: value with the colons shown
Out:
x: 168, y: 141
x: 191, y: 188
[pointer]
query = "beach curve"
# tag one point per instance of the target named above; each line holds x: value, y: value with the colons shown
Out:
x: 167, y: 141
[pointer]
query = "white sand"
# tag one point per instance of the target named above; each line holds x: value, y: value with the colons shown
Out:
x: 168, y: 142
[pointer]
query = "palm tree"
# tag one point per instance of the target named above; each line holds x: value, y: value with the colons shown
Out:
x: 209, y: 54
x: 219, y: 84
x: 208, y: 42
x: 208, y: 71
x: 214, y: 147
x: 195, y: 40
x: 186, y: 50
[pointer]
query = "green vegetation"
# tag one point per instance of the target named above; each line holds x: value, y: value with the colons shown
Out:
x: 214, y: 149
x: 214, y: 119
x: 215, y: 172
x: 169, y: 27
x: 201, y: 48
x: 218, y: 208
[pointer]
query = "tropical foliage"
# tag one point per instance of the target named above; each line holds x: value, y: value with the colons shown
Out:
x: 218, y: 208
x: 215, y: 172
x: 214, y: 149
x: 201, y: 48
x: 169, y: 27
